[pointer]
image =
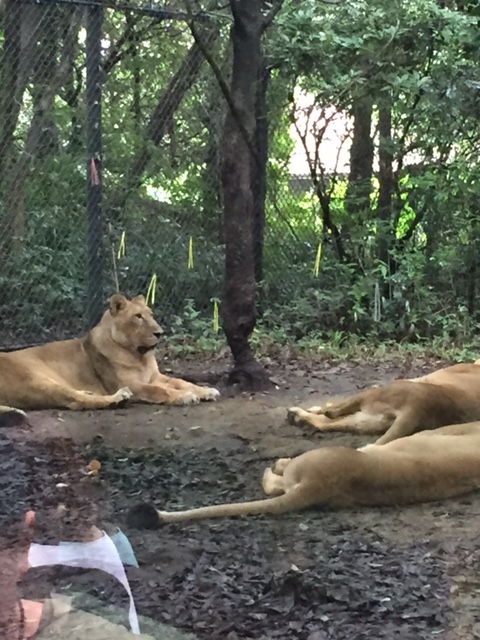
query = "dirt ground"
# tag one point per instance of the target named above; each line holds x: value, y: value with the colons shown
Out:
x: 371, y: 573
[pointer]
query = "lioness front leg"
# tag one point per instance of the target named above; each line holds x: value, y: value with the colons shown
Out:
x: 157, y: 394
x: 203, y: 393
x: 76, y: 400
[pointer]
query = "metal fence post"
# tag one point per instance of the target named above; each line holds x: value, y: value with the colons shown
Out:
x: 94, y: 230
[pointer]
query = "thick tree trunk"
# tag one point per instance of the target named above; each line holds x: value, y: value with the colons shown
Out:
x: 357, y: 199
x: 238, y: 165
x: 259, y: 177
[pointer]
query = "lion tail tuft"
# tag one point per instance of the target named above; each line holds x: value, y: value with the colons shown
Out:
x: 143, y: 516
x: 11, y: 417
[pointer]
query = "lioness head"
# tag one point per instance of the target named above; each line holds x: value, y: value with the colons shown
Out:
x: 134, y: 326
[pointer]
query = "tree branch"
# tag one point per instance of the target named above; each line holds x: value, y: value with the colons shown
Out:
x: 129, y: 36
x: 270, y: 16
x: 221, y: 81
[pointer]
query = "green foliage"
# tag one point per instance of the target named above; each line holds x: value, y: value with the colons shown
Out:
x: 42, y: 287
x: 191, y: 334
x: 409, y: 274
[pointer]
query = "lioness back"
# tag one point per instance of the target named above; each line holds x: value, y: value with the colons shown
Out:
x: 27, y: 375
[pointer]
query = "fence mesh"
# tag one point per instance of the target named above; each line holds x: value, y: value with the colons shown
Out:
x: 110, y: 148
x: 69, y: 241
x: 144, y: 211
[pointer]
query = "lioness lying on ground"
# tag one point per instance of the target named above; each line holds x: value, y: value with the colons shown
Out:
x: 430, y: 465
x: 114, y: 362
x: 402, y: 407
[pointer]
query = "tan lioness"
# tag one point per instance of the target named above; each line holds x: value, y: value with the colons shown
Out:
x: 114, y: 362
x: 402, y: 407
x: 430, y: 465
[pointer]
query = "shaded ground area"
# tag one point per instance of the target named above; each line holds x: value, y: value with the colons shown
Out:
x: 372, y: 573
x: 287, y: 577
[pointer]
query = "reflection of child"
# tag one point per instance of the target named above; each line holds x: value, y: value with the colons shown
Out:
x: 54, y: 618
x: 46, y: 482
x: 98, y: 552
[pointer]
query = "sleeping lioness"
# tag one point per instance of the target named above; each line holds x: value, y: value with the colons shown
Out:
x: 114, y: 362
x: 402, y: 407
x: 430, y: 465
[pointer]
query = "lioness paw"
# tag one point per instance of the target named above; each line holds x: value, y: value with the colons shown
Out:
x: 294, y: 415
x: 367, y: 447
x: 125, y: 393
x: 210, y: 394
x: 280, y: 465
x: 122, y: 396
x: 318, y: 409
x: 186, y: 399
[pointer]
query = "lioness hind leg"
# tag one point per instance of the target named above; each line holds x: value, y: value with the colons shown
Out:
x: 279, y: 466
x: 346, y: 407
x: 297, y: 416
x: 405, y: 424
x: 466, y: 429
x: 371, y: 422
x: 318, y: 409
x: 272, y: 483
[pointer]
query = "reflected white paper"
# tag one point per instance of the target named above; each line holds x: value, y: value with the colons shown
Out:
x: 99, y: 554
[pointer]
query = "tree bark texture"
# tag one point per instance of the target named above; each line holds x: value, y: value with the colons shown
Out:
x: 357, y: 199
x: 259, y: 176
x: 238, y: 166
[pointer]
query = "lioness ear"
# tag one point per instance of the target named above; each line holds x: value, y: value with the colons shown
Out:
x: 140, y: 299
x: 117, y: 303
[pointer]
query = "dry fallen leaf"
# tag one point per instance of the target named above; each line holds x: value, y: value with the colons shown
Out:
x: 93, y: 467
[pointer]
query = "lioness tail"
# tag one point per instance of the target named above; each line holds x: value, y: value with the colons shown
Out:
x: 146, y: 516
x: 11, y: 417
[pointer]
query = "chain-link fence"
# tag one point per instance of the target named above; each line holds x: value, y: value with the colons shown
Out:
x: 111, y: 127
x: 110, y: 166
x: 76, y: 76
